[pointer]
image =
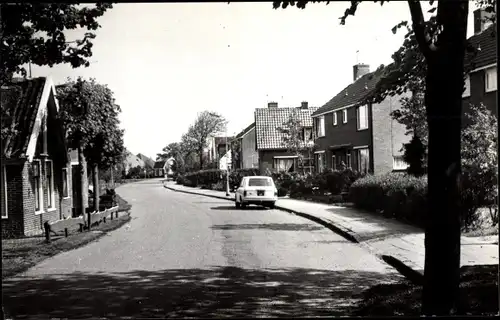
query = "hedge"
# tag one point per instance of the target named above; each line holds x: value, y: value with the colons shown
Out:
x: 404, y: 197
x: 397, y: 195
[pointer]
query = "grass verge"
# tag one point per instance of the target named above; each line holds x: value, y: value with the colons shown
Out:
x: 18, y: 255
x: 478, y: 295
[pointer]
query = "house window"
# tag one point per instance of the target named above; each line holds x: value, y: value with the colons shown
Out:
x: 362, y: 116
x: 334, y: 163
x: 65, y: 189
x: 307, y: 134
x: 3, y: 175
x: 320, y: 126
x: 491, y: 79
x: 284, y: 164
x: 320, y: 161
x: 348, y: 157
x: 398, y: 163
x: 334, y: 118
x: 37, y: 186
x: 466, y: 92
x: 49, y: 173
x: 363, y: 159
x: 344, y: 116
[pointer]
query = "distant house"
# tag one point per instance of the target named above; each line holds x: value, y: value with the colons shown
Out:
x: 160, y: 169
x: 217, y: 150
x: 36, y: 171
x: 363, y: 136
x: 273, y: 154
x: 132, y: 161
x: 245, y: 149
x: 481, y: 82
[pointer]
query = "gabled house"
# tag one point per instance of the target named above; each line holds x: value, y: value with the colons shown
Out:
x: 160, y: 169
x: 481, y: 81
x: 273, y: 154
x: 359, y: 135
x: 148, y: 162
x: 245, y: 153
x: 35, y: 170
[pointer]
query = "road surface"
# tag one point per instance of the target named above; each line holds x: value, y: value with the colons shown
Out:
x: 192, y: 256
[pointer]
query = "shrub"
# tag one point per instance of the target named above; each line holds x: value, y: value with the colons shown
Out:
x: 401, y: 196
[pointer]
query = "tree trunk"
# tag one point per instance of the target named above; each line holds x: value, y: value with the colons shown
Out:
x: 95, y: 182
x: 443, y: 99
x: 201, y: 159
x: 83, y: 187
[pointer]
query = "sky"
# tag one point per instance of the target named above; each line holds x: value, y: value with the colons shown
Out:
x: 166, y: 62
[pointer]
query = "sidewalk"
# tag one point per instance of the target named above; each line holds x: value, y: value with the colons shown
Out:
x: 399, y: 244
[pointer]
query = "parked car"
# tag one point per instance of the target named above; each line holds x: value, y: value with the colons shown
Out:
x: 258, y: 190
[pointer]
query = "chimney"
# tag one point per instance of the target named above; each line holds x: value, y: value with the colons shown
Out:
x: 360, y: 70
x: 482, y: 20
x: 304, y: 105
x: 272, y: 105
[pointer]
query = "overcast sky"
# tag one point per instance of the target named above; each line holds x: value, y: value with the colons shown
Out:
x: 165, y: 62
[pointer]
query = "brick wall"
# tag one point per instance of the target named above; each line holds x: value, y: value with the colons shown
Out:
x: 250, y: 156
x: 388, y: 135
x: 13, y: 225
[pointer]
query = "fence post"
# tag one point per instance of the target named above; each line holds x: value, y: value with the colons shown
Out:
x: 81, y: 227
x: 66, y: 232
x: 46, y: 226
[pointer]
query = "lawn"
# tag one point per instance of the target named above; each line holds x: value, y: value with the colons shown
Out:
x: 478, y: 295
x: 19, y: 255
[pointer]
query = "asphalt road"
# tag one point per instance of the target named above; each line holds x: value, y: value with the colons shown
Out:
x: 193, y: 256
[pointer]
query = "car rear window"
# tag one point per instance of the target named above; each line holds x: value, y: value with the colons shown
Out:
x: 260, y: 182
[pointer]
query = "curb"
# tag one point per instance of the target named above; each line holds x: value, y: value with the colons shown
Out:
x: 406, y: 271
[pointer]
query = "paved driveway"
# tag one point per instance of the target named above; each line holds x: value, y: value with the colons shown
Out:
x: 185, y: 255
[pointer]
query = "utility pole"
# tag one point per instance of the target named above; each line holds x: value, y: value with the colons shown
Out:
x: 227, y: 168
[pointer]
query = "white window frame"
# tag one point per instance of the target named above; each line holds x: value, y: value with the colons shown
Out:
x: 4, y: 171
x: 344, y: 116
x: 317, y: 156
x: 320, y: 126
x: 398, y: 163
x: 67, y: 183
x: 348, y: 158
x: 466, y: 92
x: 334, y: 118
x: 358, y: 118
x: 40, y: 187
x: 334, y: 162
x: 358, y: 158
x: 487, y: 75
x: 276, y: 160
x: 50, y: 185
x: 305, y: 129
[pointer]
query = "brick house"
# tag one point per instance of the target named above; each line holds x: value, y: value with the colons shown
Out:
x: 481, y: 81
x: 364, y: 137
x: 272, y: 152
x: 245, y: 153
x: 36, y: 166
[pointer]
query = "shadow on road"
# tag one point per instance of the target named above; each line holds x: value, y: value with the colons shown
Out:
x: 217, y: 292
x: 269, y: 226
x: 233, y: 208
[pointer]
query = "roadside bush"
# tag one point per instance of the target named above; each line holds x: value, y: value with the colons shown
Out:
x: 401, y: 196
x: 203, y: 178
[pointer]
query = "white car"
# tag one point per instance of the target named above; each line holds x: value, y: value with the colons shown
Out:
x: 259, y: 190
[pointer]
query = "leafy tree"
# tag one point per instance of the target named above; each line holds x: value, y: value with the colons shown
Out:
x: 293, y: 136
x: 414, y: 155
x: 440, y: 57
x: 90, y: 116
x: 206, y: 125
x: 173, y: 150
x: 34, y: 33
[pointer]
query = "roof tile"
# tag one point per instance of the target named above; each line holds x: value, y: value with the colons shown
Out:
x: 268, y: 120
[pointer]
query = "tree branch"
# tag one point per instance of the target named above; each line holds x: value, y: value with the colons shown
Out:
x: 424, y: 40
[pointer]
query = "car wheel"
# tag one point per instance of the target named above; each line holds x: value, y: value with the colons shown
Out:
x: 243, y: 205
x: 271, y: 205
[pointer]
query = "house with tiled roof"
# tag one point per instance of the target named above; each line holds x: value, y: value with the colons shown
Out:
x: 159, y: 168
x: 272, y: 152
x: 244, y: 149
x: 481, y: 81
x: 36, y: 171
x: 362, y: 136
